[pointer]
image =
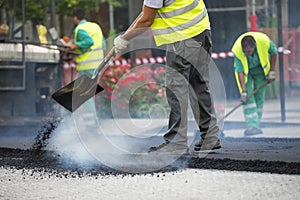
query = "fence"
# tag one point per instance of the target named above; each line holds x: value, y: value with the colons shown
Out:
x: 291, y: 41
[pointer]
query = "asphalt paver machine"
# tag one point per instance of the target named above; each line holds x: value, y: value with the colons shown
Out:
x: 29, y: 74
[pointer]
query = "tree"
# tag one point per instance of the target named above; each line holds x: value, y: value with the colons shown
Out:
x: 65, y: 7
x: 36, y: 10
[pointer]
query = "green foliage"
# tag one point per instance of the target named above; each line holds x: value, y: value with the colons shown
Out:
x: 37, y: 9
x: 65, y: 7
x: 34, y: 9
x: 111, y: 37
x: 139, y: 91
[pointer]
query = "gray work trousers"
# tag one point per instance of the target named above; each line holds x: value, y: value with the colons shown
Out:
x: 187, y: 78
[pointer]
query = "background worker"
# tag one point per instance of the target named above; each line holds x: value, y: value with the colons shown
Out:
x: 254, y: 63
x: 89, y: 41
x: 184, y: 26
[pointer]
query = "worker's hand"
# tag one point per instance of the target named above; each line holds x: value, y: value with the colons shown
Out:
x: 244, y: 97
x: 271, y: 76
x: 73, y: 46
x: 120, y: 44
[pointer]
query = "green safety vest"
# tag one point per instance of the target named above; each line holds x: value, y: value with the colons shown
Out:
x: 93, y: 56
x: 262, y: 46
x: 180, y: 20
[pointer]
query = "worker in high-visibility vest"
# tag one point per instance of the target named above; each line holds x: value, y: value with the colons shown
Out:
x: 90, y: 42
x: 254, y: 63
x: 184, y: 26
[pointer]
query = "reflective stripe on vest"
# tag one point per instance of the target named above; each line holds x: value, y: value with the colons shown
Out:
x: 179, y: 21
x: 92, y: 57
x: 182, y: 26
x: 179, y: 11
x: 262, y: 45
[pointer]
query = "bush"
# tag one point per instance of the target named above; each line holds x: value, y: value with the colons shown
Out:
x: 139, y: 92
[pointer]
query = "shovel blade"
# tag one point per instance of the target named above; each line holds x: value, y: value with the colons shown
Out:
x: 77, y: 92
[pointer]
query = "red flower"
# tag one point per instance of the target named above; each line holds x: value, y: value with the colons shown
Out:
x: 109, y: 89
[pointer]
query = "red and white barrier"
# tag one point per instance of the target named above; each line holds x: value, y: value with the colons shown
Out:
x: 139, y: 61
x: 152, y: 60
x: 222, y: 55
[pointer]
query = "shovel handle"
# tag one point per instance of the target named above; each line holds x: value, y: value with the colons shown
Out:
x: 102, y: 67
x: 248, y: 97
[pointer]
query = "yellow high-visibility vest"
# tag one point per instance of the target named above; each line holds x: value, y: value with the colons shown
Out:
x: 262, y: 46
x: 92, y: 57
x: 180, y: 20
x: 42, y: 32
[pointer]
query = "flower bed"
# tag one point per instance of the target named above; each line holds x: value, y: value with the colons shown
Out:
x: 137, y: 92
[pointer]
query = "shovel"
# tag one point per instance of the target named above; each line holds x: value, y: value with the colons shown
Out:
x: 241, y: 103
x: 248, y: 97
x: 83, y: 88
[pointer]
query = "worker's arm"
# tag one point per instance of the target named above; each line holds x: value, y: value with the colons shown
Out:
x: 141, y: 24
x: 241, y: 77
x: 83, y: 41
x: 238, y: 67
x: 273, y: 59
x: 244, y: 94
x: 273, y: 55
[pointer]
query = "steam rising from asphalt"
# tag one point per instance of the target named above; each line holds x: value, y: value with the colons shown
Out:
x: 66, y: 143
x: 122, y: 142
x: 77, y: 150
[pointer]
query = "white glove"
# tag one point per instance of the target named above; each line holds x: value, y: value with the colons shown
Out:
x: 244, y: 97
x: 120, y: 44
x: 271, y: 76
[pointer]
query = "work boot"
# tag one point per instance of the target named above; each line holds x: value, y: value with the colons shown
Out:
x: 252, y: 131
x: 170, y: 148
x: 204, y: 145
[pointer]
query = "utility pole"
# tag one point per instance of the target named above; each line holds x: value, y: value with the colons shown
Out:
x: 267, y: 17
x: 52, y: 8
x: 23, y: 32
x: 253, y: 18
x: 111, y: 17
x: 281, y: 64
x: 134, y: 8
x: 130, y: 20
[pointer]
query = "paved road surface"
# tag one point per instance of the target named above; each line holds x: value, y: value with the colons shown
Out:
x: 260, y: 167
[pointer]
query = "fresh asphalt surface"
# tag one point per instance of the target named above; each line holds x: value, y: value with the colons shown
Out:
x: 265, y: 166
x: 279, y: 142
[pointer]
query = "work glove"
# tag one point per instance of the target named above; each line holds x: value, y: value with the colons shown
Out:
x: 271, y: 76
x: 244, y: 97
x: 120, y: 44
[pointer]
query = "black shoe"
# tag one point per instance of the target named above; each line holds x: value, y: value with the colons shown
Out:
x: 252, y: 131
x: 204, y: 145
x: 170, y: 148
